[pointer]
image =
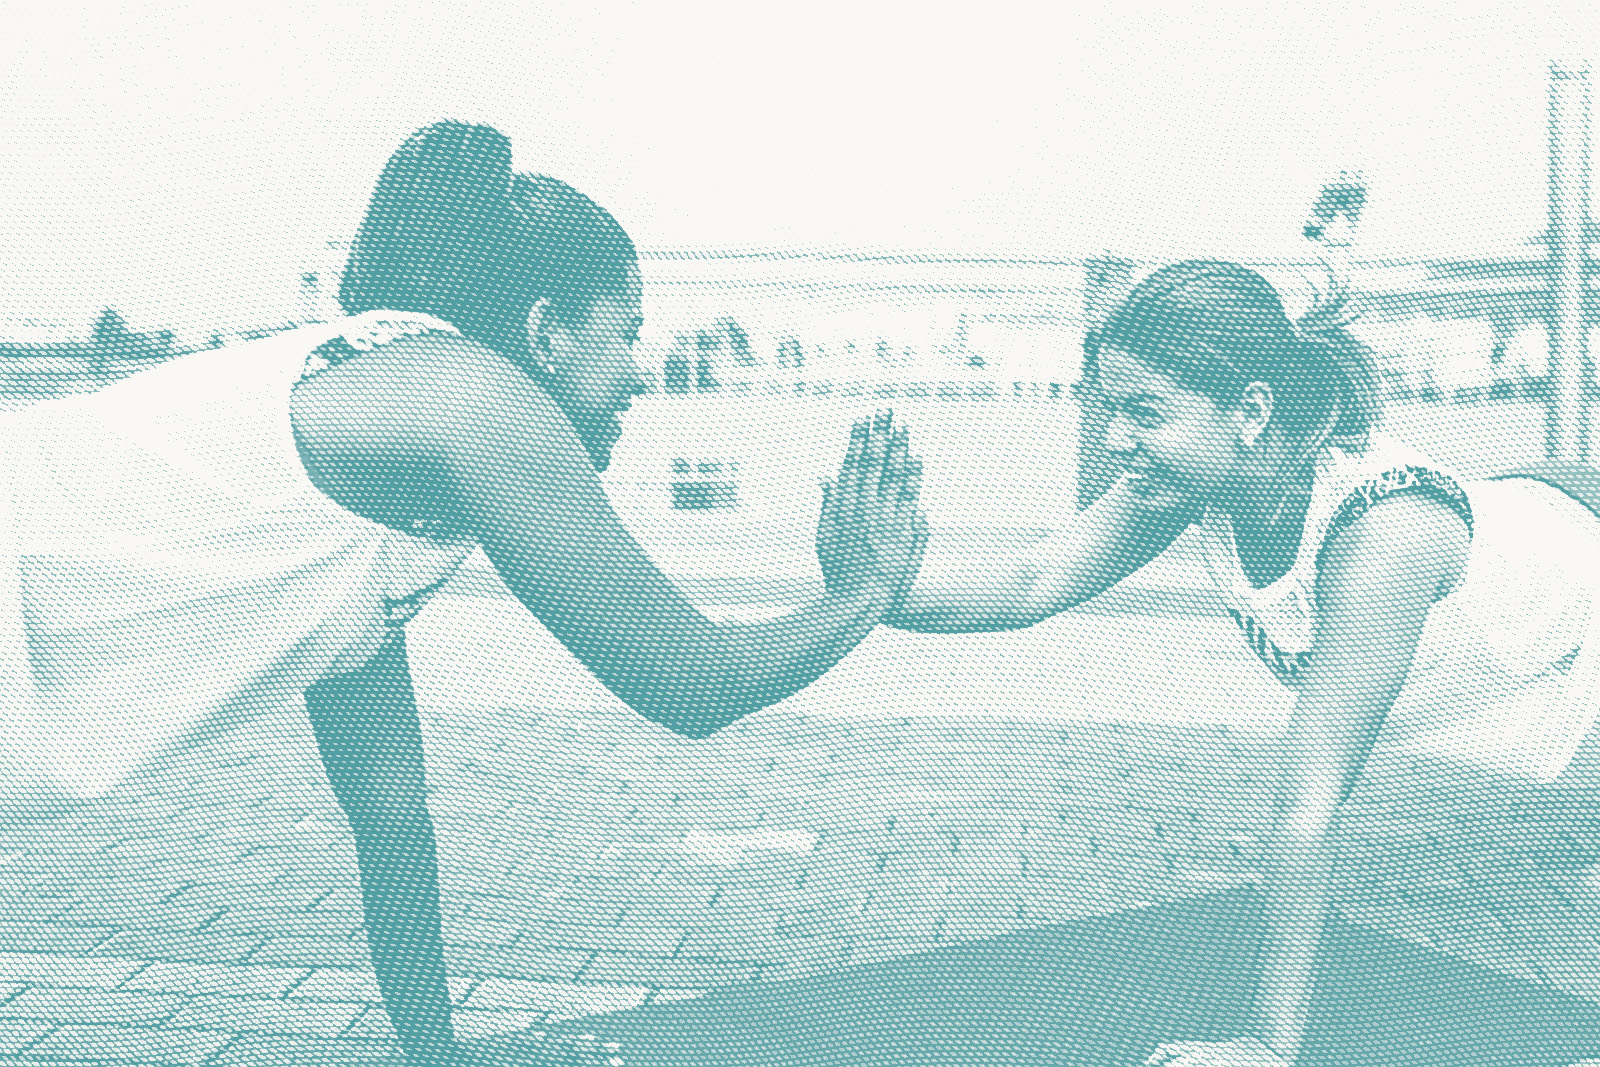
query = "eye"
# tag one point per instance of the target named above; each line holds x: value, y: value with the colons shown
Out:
x: 1089, y: 397
x: 1146, y: 417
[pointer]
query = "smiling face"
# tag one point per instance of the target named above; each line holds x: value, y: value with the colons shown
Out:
x: 1178, y: 446
x: 587, y: 366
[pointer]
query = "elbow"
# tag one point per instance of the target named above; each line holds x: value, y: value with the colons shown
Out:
x: 692, y: 711
x: 698, y: 724
x: 693, y: 728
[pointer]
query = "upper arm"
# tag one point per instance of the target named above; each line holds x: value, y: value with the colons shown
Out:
x: 1378, y: 579
x: 525, y: 489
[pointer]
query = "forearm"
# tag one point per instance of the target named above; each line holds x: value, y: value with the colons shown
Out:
x: 966, y: 595
x: 1093, y: 551
x: 1295, y: 891
x: 954, y: 612
x: 724, y: 672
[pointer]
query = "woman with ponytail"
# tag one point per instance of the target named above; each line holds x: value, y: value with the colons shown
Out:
x: 208, y: 539
x: 1409, y: 609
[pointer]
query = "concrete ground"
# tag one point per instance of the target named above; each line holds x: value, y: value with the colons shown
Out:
x: 925, y: 793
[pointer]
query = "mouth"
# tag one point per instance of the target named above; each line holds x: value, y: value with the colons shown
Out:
x: 1145, y: 480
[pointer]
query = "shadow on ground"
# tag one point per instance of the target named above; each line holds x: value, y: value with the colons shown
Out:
x: 1105, y: 991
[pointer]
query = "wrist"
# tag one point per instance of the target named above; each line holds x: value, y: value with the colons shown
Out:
x: 1277, y: 1036
x: 872, y: 591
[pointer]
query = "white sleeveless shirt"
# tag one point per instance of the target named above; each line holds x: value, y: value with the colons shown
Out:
x: 168, y: 568
x: 1505, y: 674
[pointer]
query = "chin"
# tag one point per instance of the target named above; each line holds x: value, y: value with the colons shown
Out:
x: 600, y: 446
x: 599, y: 437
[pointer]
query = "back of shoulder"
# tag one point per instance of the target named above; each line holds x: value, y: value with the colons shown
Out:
x: 448, y: 399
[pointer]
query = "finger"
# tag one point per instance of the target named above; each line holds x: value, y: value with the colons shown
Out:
x: 888, y: 445
x: 891, y: 474
x: 855, y: 458
x: 858, y: 444
x: 919, y: 545
x: 869, y: 466
x: 896, y: 458
x: 899, y: 455
x: 836, y: 485
x: 911, y: 488
x: 872, y: 441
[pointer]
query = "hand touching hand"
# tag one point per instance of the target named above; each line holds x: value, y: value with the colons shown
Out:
x: 1245, y: 1052
x: 870, y: 529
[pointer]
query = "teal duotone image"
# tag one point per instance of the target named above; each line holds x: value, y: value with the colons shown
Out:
x: 702, y: 536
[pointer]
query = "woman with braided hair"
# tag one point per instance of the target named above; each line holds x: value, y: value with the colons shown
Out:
x: 209, y: 538
x: 1406, y: 607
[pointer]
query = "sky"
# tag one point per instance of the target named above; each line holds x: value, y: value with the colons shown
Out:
x: 183, y: 162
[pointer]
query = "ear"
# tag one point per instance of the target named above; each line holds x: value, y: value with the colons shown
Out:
x: 539, y: 318
x: 1254, y: 412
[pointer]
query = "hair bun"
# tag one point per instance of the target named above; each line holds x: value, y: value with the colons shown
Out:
x: 438, y: 213
x: 457, y: 164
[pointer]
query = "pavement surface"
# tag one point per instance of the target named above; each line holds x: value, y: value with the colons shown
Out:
x: 927, y: 794
x: 1102, y: 992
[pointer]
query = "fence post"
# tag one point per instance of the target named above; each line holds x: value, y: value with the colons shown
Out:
x: 1569, y: 195
x: 1107, y: 279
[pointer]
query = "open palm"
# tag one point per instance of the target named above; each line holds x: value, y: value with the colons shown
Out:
x: 870, y: 528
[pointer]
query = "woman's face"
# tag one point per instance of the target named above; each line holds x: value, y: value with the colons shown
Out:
x: 591, y: 370
x: 1177, y: 446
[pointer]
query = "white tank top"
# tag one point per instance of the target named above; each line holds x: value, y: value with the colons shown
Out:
x: 168, y: 566
x: 1505, y: 672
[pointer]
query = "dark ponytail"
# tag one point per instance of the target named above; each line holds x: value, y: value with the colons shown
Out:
x: 451, y: 232
x: 1359, y: 405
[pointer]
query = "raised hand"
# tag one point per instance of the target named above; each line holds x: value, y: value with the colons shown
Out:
x: 846, y: 560
x: 898, y: 530
x: 870, y: 528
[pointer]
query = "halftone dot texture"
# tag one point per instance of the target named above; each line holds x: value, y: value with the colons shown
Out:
x: 1031, y: 847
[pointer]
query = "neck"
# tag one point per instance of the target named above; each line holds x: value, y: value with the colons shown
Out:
x: 1260, y: 496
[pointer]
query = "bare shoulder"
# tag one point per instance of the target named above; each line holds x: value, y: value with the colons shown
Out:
x: 423, y: 424
x: 1414, y: 538
x: 429, y: 395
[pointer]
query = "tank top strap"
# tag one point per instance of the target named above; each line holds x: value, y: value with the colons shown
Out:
x: 1350, y: 484
x: 1278, y: 620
